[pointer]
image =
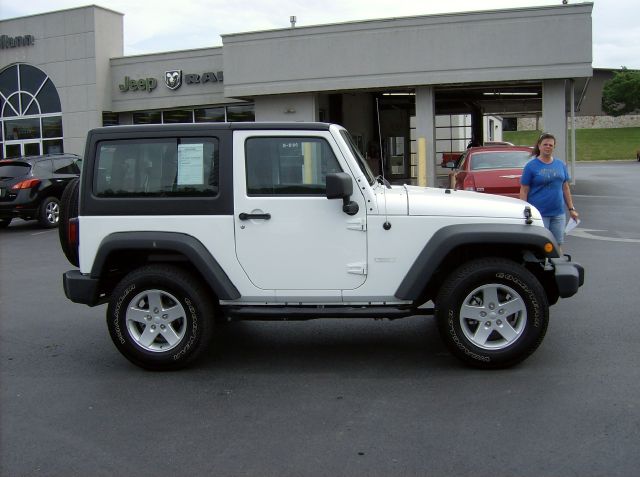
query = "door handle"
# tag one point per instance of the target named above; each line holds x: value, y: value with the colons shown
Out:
x: 245, y: 216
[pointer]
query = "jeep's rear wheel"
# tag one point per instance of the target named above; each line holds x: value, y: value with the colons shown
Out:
x: 68, y: 211
x: 160, y: 317
x: 49, y: 212
x: 492, y: 313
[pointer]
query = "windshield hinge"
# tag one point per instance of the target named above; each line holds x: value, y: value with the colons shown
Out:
x: 357, y: 224
x: 359, y: 268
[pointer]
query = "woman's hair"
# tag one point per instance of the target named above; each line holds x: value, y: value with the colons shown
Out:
x: 536, y: 148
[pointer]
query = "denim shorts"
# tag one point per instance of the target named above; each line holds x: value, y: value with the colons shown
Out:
x: 556, y: 225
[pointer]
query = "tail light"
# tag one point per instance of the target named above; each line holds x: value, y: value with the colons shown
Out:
x: 73, y: 232
x: 26, y: 184
x: 469, y: 183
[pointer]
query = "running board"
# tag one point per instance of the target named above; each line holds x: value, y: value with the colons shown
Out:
x: 284, y: 313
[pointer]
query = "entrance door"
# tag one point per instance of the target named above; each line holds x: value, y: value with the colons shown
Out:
x: 289, y: 236
x: 22, y: 148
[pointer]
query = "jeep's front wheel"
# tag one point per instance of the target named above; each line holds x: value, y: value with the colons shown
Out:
x: 492, y: 313
x: 160, y: 317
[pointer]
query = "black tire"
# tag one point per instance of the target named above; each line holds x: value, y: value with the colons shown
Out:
x: 49, y: 213
x: 492, y: 313
x: 4, y: 223
x: 68, y: 211
x: 161, y: 339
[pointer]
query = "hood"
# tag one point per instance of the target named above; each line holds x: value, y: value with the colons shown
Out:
x: 460, y: 203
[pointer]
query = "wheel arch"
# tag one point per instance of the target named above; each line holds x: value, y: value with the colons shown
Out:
x: 455, y: 244
x: 126, y: 250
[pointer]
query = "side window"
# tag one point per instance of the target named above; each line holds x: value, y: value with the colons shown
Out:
x: 65, y: 165
x: 288, y: 165
x: 43, y: 167
x: 168, y: 167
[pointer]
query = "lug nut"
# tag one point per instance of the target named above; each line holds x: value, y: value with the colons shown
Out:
x: 488, y: 324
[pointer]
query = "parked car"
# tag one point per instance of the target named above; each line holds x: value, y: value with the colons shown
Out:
x: 150, y: 197
x: 31, y: 187
x: 490, y: 169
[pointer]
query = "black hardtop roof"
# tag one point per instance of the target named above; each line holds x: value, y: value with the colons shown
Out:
x: 294, y: 126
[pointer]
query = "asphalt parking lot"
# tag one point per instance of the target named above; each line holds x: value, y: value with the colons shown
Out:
x: 330, y: 397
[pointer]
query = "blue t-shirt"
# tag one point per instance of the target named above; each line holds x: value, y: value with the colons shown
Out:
x: 545, y: 183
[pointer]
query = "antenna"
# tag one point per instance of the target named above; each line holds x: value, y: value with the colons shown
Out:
x: 387, y: 224
x: 293, y: 20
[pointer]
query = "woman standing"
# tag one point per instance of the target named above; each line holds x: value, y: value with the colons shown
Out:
x: 545, y: 185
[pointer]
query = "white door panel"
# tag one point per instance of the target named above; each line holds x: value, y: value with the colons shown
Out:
x: 307, y: 242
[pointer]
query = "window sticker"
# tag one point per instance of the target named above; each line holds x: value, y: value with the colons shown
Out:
x: 190, y: 164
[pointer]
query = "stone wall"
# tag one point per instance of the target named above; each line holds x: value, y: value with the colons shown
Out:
x: 585, y: 122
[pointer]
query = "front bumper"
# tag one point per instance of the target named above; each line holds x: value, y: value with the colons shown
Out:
x: 569, y: 276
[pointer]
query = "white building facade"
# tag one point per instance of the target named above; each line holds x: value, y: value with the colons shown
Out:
x: 439, y: 81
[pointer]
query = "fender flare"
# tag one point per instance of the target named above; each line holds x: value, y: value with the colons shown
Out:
x: 452, y: 236
x: 185, y: 244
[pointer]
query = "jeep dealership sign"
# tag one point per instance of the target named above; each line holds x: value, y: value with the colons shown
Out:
x: 173, y: 79
x: 16, y: 41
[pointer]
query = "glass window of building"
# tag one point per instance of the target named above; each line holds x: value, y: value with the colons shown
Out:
x: 147, y: 117
x: 210, y: 115
x: 110, y: 119
x: 241, y: 112
x: 177, y: 116
x: 30, y: 112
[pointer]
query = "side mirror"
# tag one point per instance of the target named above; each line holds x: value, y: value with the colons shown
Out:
x: 340, y: 186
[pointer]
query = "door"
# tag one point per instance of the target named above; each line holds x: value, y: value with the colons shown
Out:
x: 289, y: 236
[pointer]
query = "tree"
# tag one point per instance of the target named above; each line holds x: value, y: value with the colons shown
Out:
x: 621, y: 94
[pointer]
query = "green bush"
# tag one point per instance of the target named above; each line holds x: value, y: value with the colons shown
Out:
x: 591, y: 144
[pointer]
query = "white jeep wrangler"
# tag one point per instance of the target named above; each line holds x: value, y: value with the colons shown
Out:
x: 181, y: 227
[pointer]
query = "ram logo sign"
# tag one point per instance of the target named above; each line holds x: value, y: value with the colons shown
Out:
x: 173, y: 79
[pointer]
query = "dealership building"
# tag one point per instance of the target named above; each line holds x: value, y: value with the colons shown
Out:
x: 416, y: 88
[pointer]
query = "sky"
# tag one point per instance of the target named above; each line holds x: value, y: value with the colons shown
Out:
x: 152, y: 26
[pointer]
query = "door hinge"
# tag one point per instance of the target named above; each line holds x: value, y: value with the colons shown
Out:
x: 359, y: 268
x: 357, y: 224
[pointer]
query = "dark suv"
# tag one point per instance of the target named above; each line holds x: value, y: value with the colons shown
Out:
x: 31, y: 187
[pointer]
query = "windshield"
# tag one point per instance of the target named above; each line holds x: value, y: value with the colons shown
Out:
x: 499, y: 160
x: 362, y: 163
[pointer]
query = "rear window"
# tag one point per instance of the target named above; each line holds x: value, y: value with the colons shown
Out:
x: 167, y: 167
x: 499, y: 160
x: 12, y: 170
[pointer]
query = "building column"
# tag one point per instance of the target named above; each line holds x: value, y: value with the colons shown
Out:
x: 554, y: 115
x: 425, y: 130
